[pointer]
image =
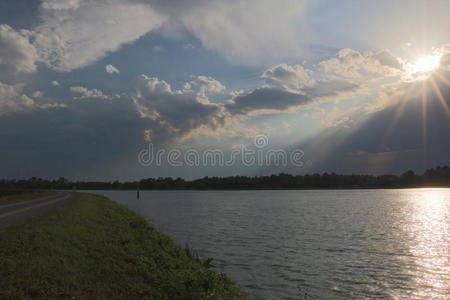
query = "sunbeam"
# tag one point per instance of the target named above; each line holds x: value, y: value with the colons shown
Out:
x: 424, y: 122
x: 439, y: 95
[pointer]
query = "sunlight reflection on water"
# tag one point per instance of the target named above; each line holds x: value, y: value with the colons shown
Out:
x: 429, y: 225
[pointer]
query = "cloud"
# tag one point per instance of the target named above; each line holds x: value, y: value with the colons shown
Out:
x: 12, y: 99
x: 330, y: 89
x: 69, y: 139
x: 288, y: 77
x: 245, y: 30
x: 16, y: 51
x: 74, y: 34
x: 60, y: 4
x: 406, y: 127
x: 110, y: 69
x: 386, y: 59
x: 159, y: 113
x: 269, y: 100
x: 204, y: 84
x: 175, y: 113
x: 291, y: 86
x: 265, y: 99
x: 444, y: 65
x: 91, y: 94
x: 38, y: 94
x: 350, y: 63
x: 287, y: 87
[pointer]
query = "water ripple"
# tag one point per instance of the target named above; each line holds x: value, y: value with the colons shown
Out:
x: 329, y: 244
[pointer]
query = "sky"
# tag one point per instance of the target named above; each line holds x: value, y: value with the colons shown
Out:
x: 93, y: 89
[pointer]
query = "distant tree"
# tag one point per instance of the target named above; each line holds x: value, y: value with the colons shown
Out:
x: 438, y: 176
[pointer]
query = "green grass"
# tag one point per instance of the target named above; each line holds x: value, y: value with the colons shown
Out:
x: 11, y: 196
x: 93, y: 248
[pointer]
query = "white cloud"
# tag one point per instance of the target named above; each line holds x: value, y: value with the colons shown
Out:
x: 288, y: 77
x: 67, y: 39
x: 55, y: 83
x: 287, y: 87
x: 76, y: 33
x: 175, y: 113
x: 110, y: 69
x: 16, y: 50
x: 350, y: 63
x: 204, y: 84
x: 48, y: 106
x: 60, y: 4
x: 242, y: 29
x: 37, y: 94
x: 12, y: 99
x: 181, y: 113
x: 90, y: 94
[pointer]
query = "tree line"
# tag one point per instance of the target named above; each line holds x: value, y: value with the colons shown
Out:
x: 435, y: 177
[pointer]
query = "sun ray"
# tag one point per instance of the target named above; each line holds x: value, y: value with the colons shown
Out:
x: 424, y: 123
x: 441, y: 78
x: 397, y: 116
x: 439, y: 95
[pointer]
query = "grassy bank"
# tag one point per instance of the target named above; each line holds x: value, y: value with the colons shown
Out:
x: 12, y: 196
x: 93, y: 248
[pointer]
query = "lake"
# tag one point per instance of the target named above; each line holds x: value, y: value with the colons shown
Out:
x: 326, y: 243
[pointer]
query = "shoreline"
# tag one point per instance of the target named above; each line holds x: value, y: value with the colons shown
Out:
x: 273, y: 189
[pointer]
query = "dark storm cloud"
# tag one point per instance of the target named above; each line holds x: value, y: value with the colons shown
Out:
x: 276, y: 98
x: 331, y: 88
x: 97, y: 129
x: 61, y: 140
x: 265, y: 99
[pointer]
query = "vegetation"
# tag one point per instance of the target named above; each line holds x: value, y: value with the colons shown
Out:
x: 93, y: 248
x: 436, y: 177
x: 11, y: 196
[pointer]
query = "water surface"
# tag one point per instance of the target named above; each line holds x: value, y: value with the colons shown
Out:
x: 328, y: 244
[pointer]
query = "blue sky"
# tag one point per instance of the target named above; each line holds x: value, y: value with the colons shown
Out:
x: 85, y: 85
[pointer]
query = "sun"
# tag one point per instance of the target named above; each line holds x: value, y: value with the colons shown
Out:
x: 426, y: 64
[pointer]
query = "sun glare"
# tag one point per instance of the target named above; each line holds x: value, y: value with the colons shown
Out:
x: 426, y: 63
